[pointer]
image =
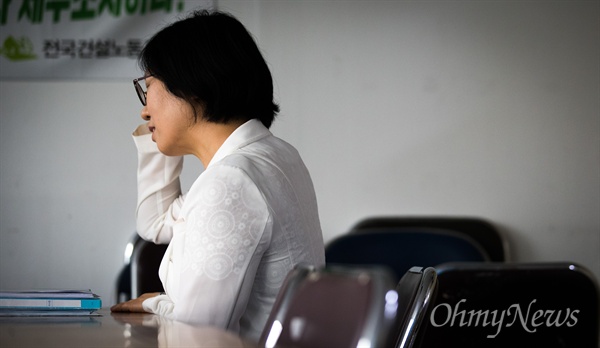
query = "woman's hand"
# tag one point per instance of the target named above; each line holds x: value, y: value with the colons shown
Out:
x: 142, y: 130
x: 135, y: 305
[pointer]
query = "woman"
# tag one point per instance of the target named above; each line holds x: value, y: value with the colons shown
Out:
x: 251, y: 216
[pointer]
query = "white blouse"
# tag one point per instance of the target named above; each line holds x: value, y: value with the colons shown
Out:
x: 247, y: 220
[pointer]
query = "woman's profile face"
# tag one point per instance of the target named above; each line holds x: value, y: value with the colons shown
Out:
x: 169, y: 119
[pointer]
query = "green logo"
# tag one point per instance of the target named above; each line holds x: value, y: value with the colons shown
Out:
x: 17, y: 50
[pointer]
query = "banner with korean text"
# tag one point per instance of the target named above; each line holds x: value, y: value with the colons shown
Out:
x: 81, y: 39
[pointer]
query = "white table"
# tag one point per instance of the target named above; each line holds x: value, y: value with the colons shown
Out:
x: 123, y: 330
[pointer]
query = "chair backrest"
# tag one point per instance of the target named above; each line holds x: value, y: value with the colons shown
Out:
x: 480, y: 230
x: 333, y: 307
x: 402, y: 248
x: 145, y: 262
x: 506, y: 305
x: 140, y: 270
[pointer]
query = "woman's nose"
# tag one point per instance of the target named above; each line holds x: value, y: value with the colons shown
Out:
x: 145, y: 115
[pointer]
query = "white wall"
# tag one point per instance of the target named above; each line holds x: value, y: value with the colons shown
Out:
x: 487, y: 109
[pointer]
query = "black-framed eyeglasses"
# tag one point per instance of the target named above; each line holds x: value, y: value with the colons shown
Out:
x: 138, y: 88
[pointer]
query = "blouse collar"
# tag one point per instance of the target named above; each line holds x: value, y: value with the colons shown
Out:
x: 249, y: 132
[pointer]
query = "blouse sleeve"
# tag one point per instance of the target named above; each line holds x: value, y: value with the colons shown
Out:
x: 159, y: 191
x: 215, y: 252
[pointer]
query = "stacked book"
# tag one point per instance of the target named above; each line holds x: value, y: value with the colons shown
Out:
x: 49, y: 303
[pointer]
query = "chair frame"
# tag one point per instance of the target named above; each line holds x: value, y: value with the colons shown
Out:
x: 419, y: 307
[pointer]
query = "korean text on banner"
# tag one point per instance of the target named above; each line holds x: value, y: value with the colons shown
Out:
x: 81, y: 39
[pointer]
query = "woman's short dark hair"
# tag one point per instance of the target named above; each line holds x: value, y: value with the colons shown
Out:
x: 209, y: 59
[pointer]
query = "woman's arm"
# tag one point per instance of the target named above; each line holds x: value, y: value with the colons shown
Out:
x: 159, y: 191
x: 135, y: 305
x: 216, y: 251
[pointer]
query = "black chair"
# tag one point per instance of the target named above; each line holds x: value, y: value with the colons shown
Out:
x: 546, y: 305
x: 333, y: 307
x: 416, y: 290
x: 477, y: 229
x: 139, y: 274
x: 402, y: 248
